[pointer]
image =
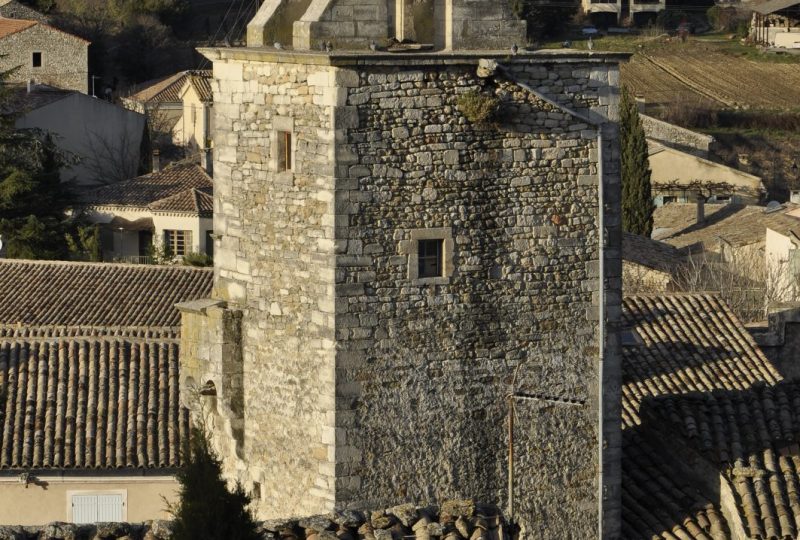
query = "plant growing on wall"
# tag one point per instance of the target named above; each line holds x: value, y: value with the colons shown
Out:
x: 207, y: 509
x: 637, y: 200
x: 478, y: 108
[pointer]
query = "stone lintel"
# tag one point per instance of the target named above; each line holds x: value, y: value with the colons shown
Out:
x: 371, y: 59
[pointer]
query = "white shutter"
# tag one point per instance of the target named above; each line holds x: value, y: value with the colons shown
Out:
x: 84, y: 508
x: 96, y: 508
x: 109, y: 508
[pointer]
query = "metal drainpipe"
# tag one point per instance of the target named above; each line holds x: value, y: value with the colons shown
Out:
x: 601, y: 308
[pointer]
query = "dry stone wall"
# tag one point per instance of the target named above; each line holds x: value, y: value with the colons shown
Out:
x: 453, y: 520
x: 65, y: 58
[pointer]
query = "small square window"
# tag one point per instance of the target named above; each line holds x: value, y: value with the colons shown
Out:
x: 284, y: 151
x: 430, y: 257
x: 178, y: 243
x: 37, y: 59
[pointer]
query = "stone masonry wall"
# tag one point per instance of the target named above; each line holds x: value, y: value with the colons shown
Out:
x: 424, y: 371
x: 275, y: 261
x: 364, y: 387
x: 65, y: 60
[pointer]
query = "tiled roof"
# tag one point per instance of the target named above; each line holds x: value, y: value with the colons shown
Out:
x: 677, y: 344
x: 192, y: 201
x: 83, y: 403
x: 142, y: 332
x: 686, y: 343
x: 168, y: 89
x: 738, y: 225
x: 42, y: 293
x: 752, y: 436
x: 12, y: 26
x: 189, y: 182
x: 651, y: 253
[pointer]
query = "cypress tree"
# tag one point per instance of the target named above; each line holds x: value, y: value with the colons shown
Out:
x: 207, y: 510
x: 637, y: 199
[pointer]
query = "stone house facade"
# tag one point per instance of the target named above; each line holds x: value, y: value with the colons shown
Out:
x: 410, y: 305
x: 44, y: 54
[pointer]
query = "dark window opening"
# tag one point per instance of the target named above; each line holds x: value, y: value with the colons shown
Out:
x: 430, y: 254
x: 284, y: 151
x: 37, y: 59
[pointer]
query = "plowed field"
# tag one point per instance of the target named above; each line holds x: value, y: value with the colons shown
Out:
x: 704, y: 72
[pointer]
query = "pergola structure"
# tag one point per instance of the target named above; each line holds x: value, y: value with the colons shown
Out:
x: 775, y: 17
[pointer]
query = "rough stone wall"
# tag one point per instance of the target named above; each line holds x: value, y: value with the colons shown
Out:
x: 364, y: 387
x: 15, y: 10
x: 423, y: 371
x: 65, y: 58
x: 677, y: 137
x: 275, y: 261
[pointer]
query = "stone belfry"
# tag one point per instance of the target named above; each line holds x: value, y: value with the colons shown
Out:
x: 417, y: 239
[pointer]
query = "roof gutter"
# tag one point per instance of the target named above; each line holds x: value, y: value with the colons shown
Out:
x: 487, y: 68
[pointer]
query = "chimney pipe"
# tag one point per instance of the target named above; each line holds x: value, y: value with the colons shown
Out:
x: 701, y: 209
x: 156, y: 160
x: 207, y: 158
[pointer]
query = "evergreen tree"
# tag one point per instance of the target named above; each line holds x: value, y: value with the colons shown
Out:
x: 637, y: 201
x: 33, y: 200
x: 207, y: 510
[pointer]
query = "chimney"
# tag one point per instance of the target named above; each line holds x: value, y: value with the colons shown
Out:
x: 640, y: 103
x: 156, y: 160
x: 207, y: 161
x: 701, y: 209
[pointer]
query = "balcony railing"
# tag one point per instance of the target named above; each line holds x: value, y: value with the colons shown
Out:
x: 134, y: 259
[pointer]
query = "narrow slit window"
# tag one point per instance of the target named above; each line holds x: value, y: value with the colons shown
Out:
x: 36, y: 61
x: 430, y: 254
x: 284, y: 151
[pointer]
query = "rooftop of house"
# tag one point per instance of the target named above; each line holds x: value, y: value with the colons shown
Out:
x: 90, y: 403
x: 690, y: 351
x: 9, y: 27
x: 168, y: 89
x: 735, y: 224
x: 651, y: 253
x: 182, y: 188
x: 13, y: 9
x: 71, y: 294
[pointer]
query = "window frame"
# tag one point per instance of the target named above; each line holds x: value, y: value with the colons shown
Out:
x: 95, y: 492
x: 411, y: 246
x: 172, y: 243
x: 283, y: 147
x: 33, y: 59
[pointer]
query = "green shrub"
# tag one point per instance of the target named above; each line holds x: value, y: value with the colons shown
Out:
x: 477, y: 107
x: 197, y: 259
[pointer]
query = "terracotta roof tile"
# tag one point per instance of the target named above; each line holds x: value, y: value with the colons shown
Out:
x: 12, y: 26
x: 42, y: 293
x: 193, y: 201
x: 168, y: 89
x: 675, y: 345
x: 82, y: 403
x: 651, y: 253
x: 752, y: 436
x: 154, y: 188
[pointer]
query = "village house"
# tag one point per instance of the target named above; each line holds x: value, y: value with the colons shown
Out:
x: 776, y: 23
x: 179, y: 104
x: 102, y: 141
x: 681, y: 169
x: 649, y: 265
x: 43, y: 54
x: 386, y: 261
x: 168, y: 210
x: 91, y: 421
x: 13, y: 9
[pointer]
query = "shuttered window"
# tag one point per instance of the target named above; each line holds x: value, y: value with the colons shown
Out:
x: 178, y: 242
x: 97, y: 507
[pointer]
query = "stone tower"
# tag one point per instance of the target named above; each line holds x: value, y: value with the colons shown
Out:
x: 411, y: 249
